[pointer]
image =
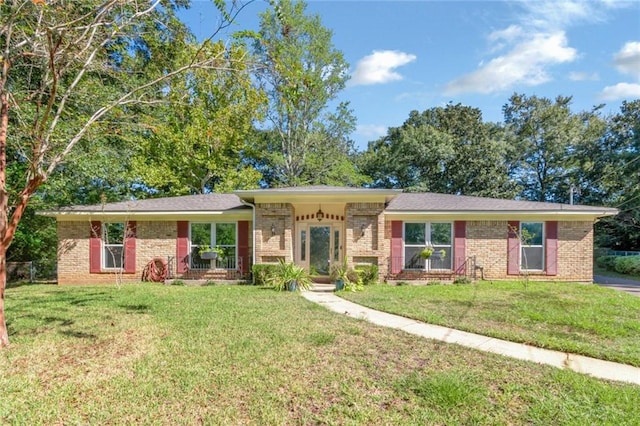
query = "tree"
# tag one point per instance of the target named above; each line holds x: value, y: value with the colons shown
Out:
x: 193, y: 144
x: 302, y: 75
x: 71, y: 72
x: 548, y: 136
x: 448, y: 150
x: 613, y: 178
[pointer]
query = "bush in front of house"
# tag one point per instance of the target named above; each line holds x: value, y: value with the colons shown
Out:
x: 368, y: 274
x: 629, y: 265
x: 262, y: 273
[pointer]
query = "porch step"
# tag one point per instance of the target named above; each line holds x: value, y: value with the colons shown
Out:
x: 323, y: 287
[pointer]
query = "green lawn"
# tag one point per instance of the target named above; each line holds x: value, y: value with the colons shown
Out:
x: 578, y: 318
x: 153, y: 354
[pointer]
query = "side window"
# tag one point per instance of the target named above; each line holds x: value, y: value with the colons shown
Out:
x: 531, y: 246
x: 113, y: 245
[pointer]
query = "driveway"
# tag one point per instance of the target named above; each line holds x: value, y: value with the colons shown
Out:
x: 622, y: 284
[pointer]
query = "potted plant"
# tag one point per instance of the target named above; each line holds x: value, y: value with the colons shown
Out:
x: 209, y: 253
x: 426, y: 252
x: 289, y: 276
x: 339, y: 274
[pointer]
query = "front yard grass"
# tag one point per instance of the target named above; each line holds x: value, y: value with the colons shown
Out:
x: 579, y: 318
x: 153, y: 354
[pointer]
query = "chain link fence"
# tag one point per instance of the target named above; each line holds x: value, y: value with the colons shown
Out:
x: 33, y: 271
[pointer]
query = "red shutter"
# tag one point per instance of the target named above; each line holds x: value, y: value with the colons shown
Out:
x: 182, y: 247
x: 513, y: 248
x: 95, y: 247
x: 396, y: 246
x: 243, y: 245
x: 459, y: 245
x: 551, y: 246
x: 130, y: 248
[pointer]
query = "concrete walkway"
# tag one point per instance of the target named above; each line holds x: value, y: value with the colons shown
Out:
x: 581, y: 364
x: 621, y: 284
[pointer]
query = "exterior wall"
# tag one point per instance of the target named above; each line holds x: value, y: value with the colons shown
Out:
x: 365, y: 241
x: 154, y: 239
x: 270, y: 248
x: 575, y: 251
x: 487, y: 241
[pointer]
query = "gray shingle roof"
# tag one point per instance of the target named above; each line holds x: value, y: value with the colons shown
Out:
x: 401, y: 202
x: 186, y: 203
x: 429, y: 202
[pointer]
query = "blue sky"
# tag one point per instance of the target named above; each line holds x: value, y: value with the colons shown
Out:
x: 416, y: 55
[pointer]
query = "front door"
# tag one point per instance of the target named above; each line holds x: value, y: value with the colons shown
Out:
x: 319, y: 247
x: 319, y: 250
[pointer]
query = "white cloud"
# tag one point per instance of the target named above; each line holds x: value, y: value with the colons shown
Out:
x: 583, y: 76
x: 620, y: 91
x: 372, y: 131
x: 627, y: 60
x: 552, y: 15
x: 525, y: 63
x: 379, y: 67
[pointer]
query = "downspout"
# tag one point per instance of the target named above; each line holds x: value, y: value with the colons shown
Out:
x: 253, y: 235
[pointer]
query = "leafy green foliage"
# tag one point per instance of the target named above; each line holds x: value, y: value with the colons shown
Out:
x: 628, y: 265
x: 194, y: 142
x: 547, y: 137
x: 289, y: 276
x: 447, y: 150
x: 302, y: 74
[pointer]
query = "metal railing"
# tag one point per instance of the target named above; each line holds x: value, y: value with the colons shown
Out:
x: 443, y: 266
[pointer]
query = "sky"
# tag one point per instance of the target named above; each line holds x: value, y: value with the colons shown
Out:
x: 417, y: 55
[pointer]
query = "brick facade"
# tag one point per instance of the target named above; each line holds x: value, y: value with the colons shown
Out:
x: 366, y: 238
x: 272, y: 246
x: 153, y: 239
x: 365, y: 235
x: 486, y: 240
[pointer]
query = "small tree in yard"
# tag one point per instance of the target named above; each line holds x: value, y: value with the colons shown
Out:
x: 72, y: 70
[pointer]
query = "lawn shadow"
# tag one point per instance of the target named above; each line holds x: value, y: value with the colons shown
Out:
x: 78, y: 334
x: 137, y: 309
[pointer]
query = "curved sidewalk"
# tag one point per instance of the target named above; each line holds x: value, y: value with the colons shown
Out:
x: 581, y: 364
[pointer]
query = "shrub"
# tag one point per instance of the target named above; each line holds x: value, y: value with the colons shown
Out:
x: 368, y: 274
x: 262, y: 273
x: 606, y: 262
x: 627, y: 265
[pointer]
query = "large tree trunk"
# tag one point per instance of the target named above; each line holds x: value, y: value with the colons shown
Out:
x: 4, y: 335
x: 4, y: 208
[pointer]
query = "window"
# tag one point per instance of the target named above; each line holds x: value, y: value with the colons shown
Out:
x: 418, y: 236
x: 218, y: 235
x: 113, y: 245
x: 531, y: 246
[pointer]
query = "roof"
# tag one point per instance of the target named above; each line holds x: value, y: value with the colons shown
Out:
x: 186, y: 203
x: 432, y: 202
x: 398, y: 203
x: 312, y: 193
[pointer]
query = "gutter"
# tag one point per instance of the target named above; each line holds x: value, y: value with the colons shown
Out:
x: 253, y: 233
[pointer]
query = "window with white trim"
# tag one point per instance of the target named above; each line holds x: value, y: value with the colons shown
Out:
x: 531, y: 246
x: 222, y: 237
x: 420, y: 235
x: 113, y: 245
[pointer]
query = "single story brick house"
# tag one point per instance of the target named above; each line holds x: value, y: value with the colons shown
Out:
x: 317, y: 226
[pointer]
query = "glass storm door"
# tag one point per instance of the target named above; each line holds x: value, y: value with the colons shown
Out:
x: 319, y: 250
